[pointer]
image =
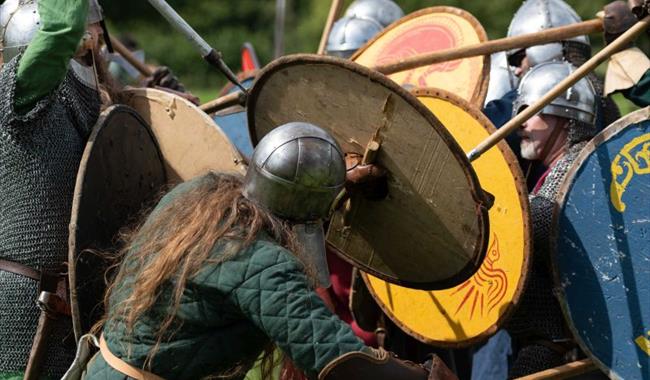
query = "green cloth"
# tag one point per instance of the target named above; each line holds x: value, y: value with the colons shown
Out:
x: 11, y: 376
x: 17, y: 376
x: 228, y: 314
x: 45, y: 62
x: 639, y: 94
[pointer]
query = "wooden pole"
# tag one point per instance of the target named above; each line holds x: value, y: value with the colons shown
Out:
x: 335, y: 10
x: 494, y: 46
x: 616, y: 46
x: 236, y: 98
x: 130, y: 58
x: 566, y: 371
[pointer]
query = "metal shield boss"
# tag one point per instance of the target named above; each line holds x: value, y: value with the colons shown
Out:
x: 190, y: 142
x: 601, y: 227
x: 312, y: 239
x: 472, y: 311
x: 120, y: 171
x: 426, y: 31
x: 421, y: 235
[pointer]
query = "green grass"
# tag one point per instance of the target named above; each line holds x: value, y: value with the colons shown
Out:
x: 205, y: 94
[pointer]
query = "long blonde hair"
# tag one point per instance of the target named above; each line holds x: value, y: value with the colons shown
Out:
x: 177, y: 240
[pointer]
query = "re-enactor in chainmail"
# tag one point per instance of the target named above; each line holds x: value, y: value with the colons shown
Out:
x: 554, y: 137
x: 48, y: 105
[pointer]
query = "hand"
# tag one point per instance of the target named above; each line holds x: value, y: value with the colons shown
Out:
x: 618, y: 19
x: 639, y: 8
x: 438, y: 370
x: 369, y: 179
x: 163, y: 77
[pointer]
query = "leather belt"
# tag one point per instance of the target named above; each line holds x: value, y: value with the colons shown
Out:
x: 53, y: 302
x: 123, y: 367
x: 19, y: 269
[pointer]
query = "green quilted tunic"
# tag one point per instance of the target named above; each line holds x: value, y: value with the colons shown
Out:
x: 229, y: 313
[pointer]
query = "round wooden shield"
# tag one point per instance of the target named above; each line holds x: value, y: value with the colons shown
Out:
x: 474, y: 310
x: 233, y: 121
x: 190, y: 142
x: 426, y: 31
x: 602, y: 255
x: 121, y: 171
x: 431, y: 230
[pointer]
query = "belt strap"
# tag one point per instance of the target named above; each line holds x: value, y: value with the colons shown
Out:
x: 123, y: 367
x: 19, y: 269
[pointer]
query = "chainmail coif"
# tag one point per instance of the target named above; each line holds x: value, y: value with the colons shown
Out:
x: 39, y: 157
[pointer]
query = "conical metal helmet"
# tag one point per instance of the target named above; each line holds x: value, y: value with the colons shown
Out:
x: 502, y: 78
x: 20, y: 20
x: 537, y: 15
x: 296, y: 172
x: 577, y: 103
x: 385, y: 12
x: 349, y: 34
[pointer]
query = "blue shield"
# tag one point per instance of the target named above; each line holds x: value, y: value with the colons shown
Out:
x: 234, y: 124
x: 602, y: 261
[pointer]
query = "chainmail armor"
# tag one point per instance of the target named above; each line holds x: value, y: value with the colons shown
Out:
x: 577, y: 54
x: 538, y: 315
x: 39, y: 158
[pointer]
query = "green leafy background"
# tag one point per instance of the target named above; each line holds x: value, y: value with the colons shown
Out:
x: 226, y: 24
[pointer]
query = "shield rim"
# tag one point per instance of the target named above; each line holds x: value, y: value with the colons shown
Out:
x: 158, y: 96
x: 481, y: 89
x: 605, y: 135
x: 104, y: 117
x: 513, y: 164
x: 474, y: 185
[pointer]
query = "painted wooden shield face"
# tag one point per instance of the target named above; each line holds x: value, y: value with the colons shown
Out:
x: 602, y: 260
x: 422, y: 235
x: 190, y: 142
x: 470, y: 312
x: 427, y: 31
x: 121, y: 169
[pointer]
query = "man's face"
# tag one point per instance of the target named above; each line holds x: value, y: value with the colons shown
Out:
x: 519, y: 62
x: 96, y: 34
x: 535, y: 135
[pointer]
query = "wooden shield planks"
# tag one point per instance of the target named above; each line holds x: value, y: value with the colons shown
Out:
x: 121, y: 170
x: 602, y: 258
x: 426, y: 31
x: 190, y: 142
x: 431, y: 231
x: 233, y: 120
x: 474, y: 310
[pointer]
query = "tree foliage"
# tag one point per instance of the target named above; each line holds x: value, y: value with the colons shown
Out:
x: 227, y: 24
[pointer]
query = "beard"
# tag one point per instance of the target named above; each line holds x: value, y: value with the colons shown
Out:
x: 528, y: 150
x: 108, y: 88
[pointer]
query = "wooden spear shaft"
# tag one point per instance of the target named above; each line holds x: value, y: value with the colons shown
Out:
x: 335, y: 10
x: 616, y: 46
x: 226, y: 101
x: 130, y: 58
x: 494, y: 46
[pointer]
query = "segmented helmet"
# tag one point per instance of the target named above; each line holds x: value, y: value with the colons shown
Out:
x: 349, y: 34
x: 537, y: 15
x: 296, y: 172
x: 385, y: 12
x: 577, y: 103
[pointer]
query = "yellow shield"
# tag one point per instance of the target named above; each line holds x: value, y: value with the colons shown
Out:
x: 429, y: 30
x: 475, y: 309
